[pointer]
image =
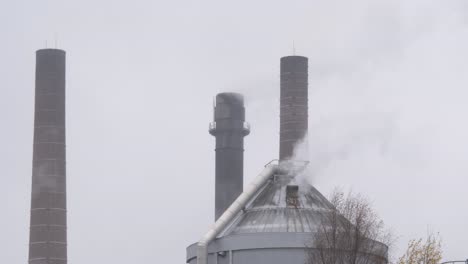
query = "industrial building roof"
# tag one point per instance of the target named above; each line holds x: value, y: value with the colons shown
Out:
x: 282, y: 205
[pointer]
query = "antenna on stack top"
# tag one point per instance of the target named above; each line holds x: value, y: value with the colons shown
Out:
x: 294, y: 48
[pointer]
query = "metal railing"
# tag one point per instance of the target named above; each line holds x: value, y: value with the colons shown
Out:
x: 245, y: 126
x: 455, y: 261
x: 212, y: 126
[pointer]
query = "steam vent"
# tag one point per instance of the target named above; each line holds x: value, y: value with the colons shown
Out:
x: 274, y: 218
x: 48, y: 231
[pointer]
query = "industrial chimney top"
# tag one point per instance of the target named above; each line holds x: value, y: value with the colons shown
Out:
x: 229, y: 114
x: 50, y: 50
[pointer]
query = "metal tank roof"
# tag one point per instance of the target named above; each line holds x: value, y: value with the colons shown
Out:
x: 282, y: 205
x: 274, y: 225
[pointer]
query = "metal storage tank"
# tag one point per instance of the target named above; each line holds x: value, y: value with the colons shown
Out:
x: 274, y: 225
x: 270, y: 229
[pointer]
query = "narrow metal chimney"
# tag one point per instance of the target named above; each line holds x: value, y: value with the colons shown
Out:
x: 48, y: 232
x: 293, y: 104
x: 229, y: 128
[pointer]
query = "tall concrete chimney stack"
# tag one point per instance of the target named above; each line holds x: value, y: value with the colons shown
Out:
x: 48, y: 232
x: 229, y: 128
x: 293, y: 104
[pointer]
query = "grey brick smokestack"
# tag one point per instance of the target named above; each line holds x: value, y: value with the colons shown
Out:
x: 48, y: 232
x: 229, y: 128
x: 293, y: 104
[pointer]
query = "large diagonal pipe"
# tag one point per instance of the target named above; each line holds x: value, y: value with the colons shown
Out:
x: 232, y: 211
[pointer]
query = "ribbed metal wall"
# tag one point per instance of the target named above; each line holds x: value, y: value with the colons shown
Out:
x: 48, y: 232
x: 229, y: 128
x: 293, y: 104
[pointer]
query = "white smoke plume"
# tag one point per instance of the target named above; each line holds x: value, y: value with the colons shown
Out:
x: 388, y: 113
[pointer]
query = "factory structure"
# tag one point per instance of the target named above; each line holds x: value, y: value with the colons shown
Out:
x: 48, y: 226
x: 272, y: 221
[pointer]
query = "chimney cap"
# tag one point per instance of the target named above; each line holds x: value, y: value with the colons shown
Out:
x: 294, y: 57
x: 50, y: 51
x: 230, y: 98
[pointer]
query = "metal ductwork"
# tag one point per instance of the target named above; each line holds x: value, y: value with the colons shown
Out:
x: 229, y: 128
x: 293, y: 104
x: 230, y: 213
x: 48, y: 232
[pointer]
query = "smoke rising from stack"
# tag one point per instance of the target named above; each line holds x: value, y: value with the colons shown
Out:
x: 389, y: 110
x: 337, y: 36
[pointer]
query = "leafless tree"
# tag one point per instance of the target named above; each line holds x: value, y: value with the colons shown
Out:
x: 351, y: 233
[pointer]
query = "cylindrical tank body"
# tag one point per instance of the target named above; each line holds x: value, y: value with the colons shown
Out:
x: 293, y: 104
x: 48, y: 232
x: 279, y: 225
x: 255, y: 248
x: 229, y: 128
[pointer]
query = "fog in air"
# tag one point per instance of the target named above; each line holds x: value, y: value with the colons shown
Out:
x: 387, y: 92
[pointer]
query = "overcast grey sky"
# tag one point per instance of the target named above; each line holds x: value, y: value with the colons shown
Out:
x: 387, y: 106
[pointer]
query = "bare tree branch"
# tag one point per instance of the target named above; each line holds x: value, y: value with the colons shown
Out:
x: 352, y: 233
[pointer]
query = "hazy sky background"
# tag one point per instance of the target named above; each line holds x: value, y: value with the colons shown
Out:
x: 388, y: 113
